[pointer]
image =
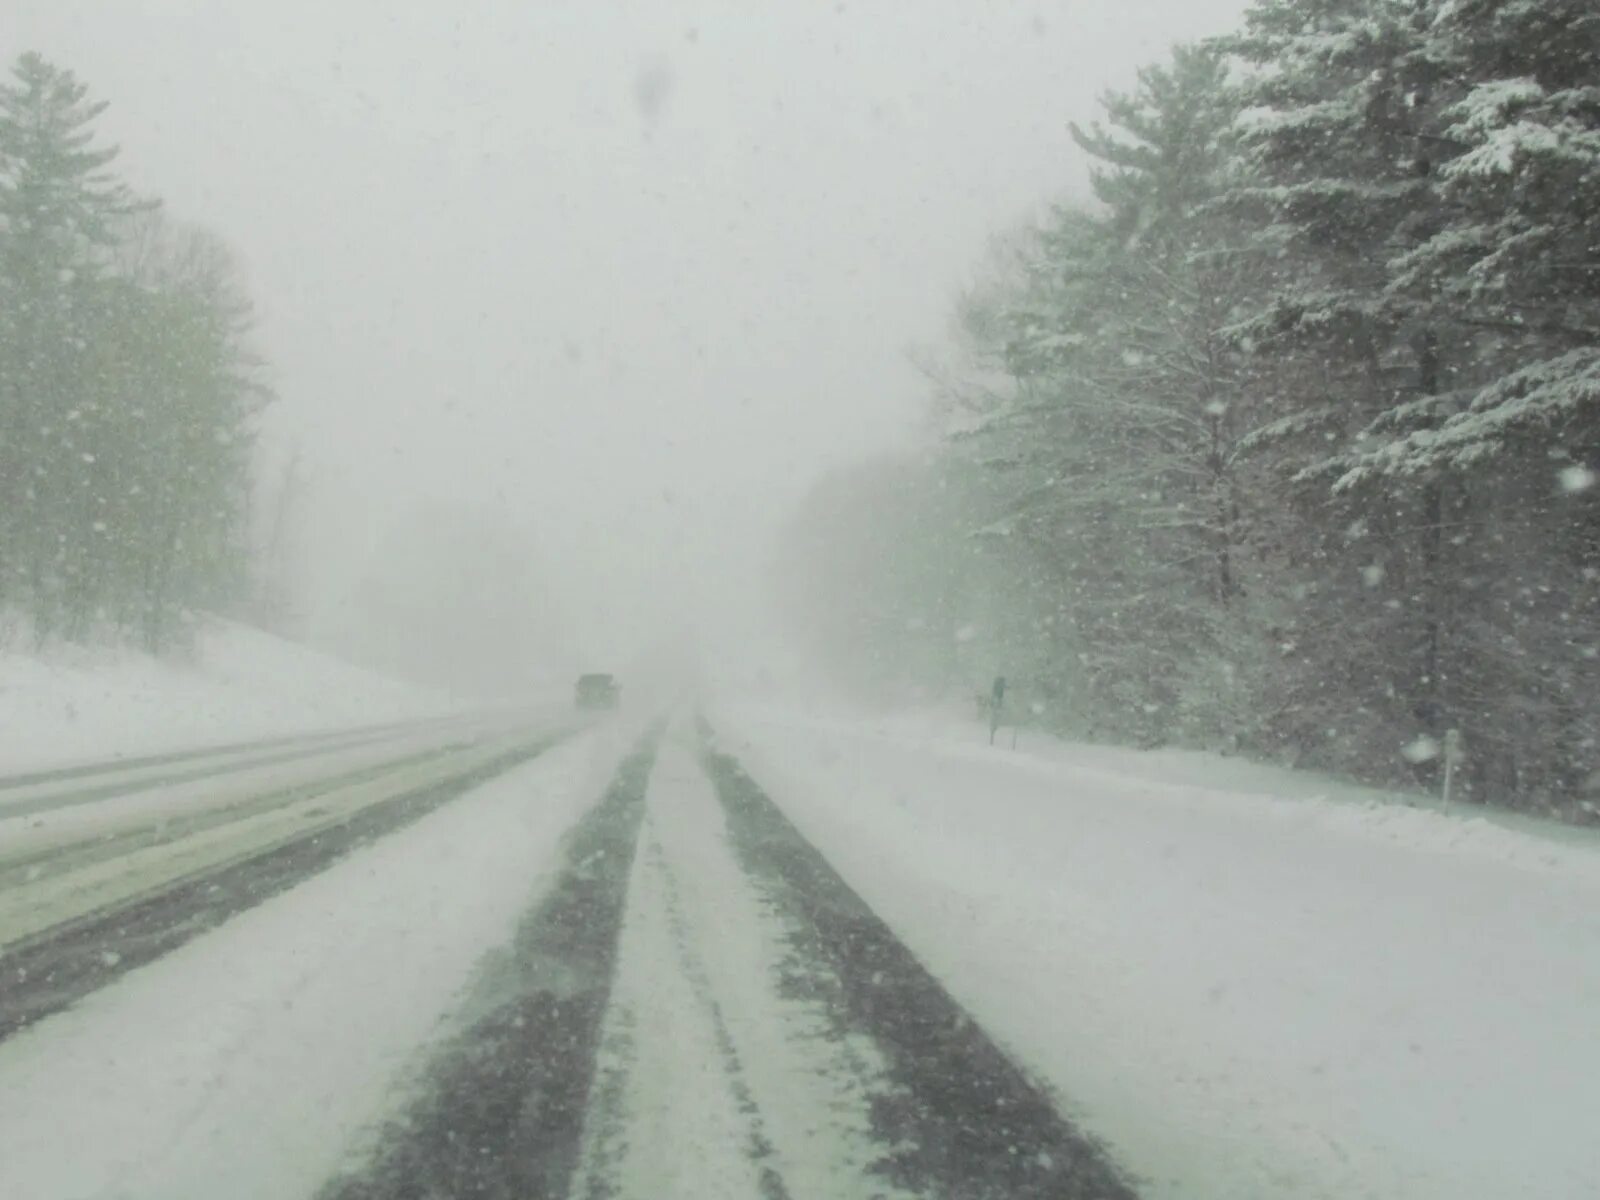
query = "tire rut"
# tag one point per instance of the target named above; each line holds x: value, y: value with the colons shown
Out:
x: 960, y: 1119
x: 500, y: 1106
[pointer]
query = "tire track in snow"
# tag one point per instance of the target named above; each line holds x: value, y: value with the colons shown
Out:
x: 500, y: 1107
x: 962, y: 1120
x: 713, y: 1082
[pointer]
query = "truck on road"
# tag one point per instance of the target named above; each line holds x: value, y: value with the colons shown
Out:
x: 597, y: 691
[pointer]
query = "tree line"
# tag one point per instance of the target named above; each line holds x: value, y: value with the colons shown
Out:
x: 1288, y: 442
x: 127, y: 388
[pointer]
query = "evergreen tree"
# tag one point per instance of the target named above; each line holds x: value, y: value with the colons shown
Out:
x: 59, y: 208
x: 1405, y: 164
x: 1126, y: 415
x: 1297, y: 431
x: 126, y: 387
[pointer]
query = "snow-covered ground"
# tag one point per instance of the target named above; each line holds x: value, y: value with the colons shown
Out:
x: 250, y: 1061
x: 71, y: 703
x: 1248, y: 983
x: 1251, y: 983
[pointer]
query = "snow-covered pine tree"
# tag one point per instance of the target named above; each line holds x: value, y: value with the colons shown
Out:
x: 1515, y: 258
x: 1416, y: 168
x: 1338, y: 144
x: 1514, y: 268
x: 1123, y: 430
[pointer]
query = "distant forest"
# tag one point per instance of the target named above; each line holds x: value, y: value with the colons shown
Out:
x: 1288, y: 443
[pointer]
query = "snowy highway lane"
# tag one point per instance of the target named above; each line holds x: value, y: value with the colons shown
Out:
x: 1246, y: 987
x: 94, y: 887
x: 699, y: 1008
x: 247, y: 1061
x: 39, y: 791
x: 786, y: 958
x: 614, y: 971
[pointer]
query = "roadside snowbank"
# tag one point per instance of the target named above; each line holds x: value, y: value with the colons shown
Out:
x: 70, y: 703
x: 1247, y: 992
x: 1380, y: 809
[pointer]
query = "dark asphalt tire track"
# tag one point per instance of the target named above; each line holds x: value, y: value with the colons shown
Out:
x: 54, y: 970
x: 500, y: 1108
x: 962, y: 1120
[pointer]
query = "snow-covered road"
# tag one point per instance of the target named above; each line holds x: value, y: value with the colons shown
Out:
x: 790, y: 957
x: 245, y: 1063
x: 614, y: 971
x: 29, y: 793
x: 1248, y: 990
x: 699, y: 1009
x: 71, y: 872
x: 713, y: 1081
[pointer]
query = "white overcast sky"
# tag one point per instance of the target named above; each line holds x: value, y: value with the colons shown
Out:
x: 632, y: 272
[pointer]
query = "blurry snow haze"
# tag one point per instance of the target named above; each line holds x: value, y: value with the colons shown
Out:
x: 567, y: 304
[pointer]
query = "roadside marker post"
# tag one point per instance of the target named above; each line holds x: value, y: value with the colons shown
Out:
x: 1452, y: 755
x: 997, y: 699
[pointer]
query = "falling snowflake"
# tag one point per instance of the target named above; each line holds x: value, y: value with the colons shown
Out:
x: 1372, y: 575
x: 1423, y: 749
x: 1576, y: 478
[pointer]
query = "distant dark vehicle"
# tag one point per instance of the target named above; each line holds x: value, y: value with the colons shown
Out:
x: 598, y: 692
